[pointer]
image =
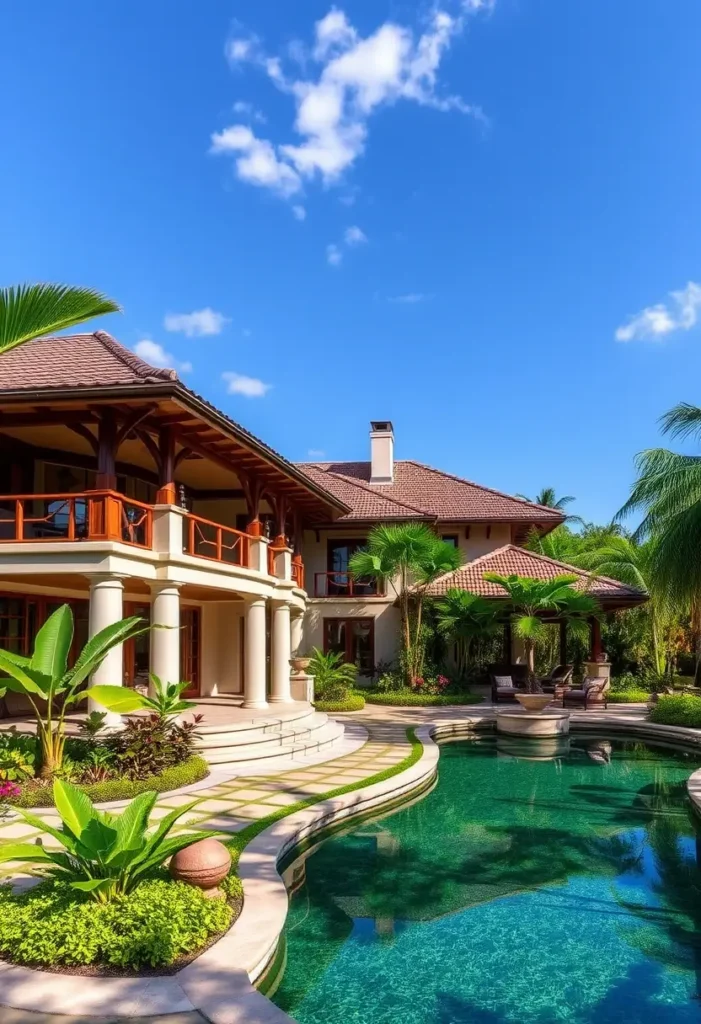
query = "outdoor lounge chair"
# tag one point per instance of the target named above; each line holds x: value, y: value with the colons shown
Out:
x: 507, y: 681
x: 561, y: 675
x: 593, y: 693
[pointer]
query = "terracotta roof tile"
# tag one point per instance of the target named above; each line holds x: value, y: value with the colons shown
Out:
x: 421, y: 492
x: 75, y: 361
x: 512, y: 560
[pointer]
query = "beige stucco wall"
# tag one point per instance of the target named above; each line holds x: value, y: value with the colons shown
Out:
x: 386, y: 616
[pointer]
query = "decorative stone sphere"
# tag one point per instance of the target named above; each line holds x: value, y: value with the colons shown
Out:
x: 204, y: 865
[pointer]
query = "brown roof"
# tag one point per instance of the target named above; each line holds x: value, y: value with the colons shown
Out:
x: 75, y: 361
x: 71, y: 363
x: 421, y: 492
x: 511, y: 560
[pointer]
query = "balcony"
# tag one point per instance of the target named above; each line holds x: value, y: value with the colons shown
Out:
x: 339, y: 585
x: 207, y: 539
x: 93, y: 515
x: 109, y: 516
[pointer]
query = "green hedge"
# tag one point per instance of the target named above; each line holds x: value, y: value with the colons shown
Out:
x: 355, y: 702
x: 628, y: 697
x: 677, y: 709
x: 407, y: 698
x: 192, y: 770
x: 53, y: 925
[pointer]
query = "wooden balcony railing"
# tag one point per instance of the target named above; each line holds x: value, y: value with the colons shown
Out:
x: 298, y: 574
x: 91, y: 515
x: 207, y: 539
x: 342, y: 584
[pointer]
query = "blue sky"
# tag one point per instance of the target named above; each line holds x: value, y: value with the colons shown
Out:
x: 438, y: 214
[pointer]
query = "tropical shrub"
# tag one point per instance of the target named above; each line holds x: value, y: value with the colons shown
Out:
x: 46, y: 681
x: 389, y: 682
x: 105, y: 855
x: 18, y: 756
x: 166, y: 701
x: 52, y: 925
x: 430, y: 685
x: 38, y: 794
x: 628, y: 696
x: 353, y: 702
x: 333, y: 677
x: 677, y: 709
x: 466, y: 620
x: 148, y: 745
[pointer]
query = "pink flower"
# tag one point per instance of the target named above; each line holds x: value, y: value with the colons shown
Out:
x: 8, y: 790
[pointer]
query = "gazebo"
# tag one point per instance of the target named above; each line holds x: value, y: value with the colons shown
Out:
x: 511, y: 560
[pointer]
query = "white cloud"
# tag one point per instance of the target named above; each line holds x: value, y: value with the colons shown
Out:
x: 351, y: 77
x: 679, y: 313
x: 354, y: 236
x: 245, y: 109
x: 333, y: 255
x: 249, y: 387
x: 316, y: 453
x: 153, y: 353
x: 197, y: 324
x: 299, y: 212
x: 257, y: 164
x: 410, y: 299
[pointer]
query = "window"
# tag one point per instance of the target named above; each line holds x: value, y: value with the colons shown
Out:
x: 339, y: 582
x: 354, y: 639
x: 450, y: 538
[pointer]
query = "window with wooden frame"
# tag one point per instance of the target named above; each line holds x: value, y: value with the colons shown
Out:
x: 354, y: 639
x: 450, y: 538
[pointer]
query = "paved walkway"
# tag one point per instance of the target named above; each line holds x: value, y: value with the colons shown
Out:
x: 232, y: 804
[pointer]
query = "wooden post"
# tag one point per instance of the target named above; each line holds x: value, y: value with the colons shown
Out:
x: 595, y: 632
x: 563, y: 641
x: 106, y: 451
x: 166, y: 494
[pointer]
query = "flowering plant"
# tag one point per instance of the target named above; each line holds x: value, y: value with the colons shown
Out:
x: 431, y: 684
x: 8, y: 790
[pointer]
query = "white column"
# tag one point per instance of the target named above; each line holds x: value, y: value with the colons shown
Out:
x: 254, y: 655
x: 165, y: 643
x: 106, y: 593
x: 280, y: 688
x: 296, y: 630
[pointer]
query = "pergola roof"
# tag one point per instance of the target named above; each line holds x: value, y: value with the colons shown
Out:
x: 511, y: 560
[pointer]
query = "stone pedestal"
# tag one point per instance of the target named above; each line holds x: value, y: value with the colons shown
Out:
x: 533, y: 724
x: 302, y: 687
x: 598, y: 669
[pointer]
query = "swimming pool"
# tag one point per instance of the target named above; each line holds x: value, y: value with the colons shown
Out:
x: 533, y: 885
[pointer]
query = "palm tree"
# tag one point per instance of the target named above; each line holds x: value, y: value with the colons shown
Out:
x: 32, y: 310
x: 530, y: 599
x: 634, y: 564
x: 548, y: 497
x: 465, y: 619
x: 407, y: 556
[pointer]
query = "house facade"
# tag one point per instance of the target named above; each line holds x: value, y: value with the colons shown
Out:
x: 123, y: 492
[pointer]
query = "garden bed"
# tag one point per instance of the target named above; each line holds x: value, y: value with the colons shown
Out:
x: 35, y: 793
x: 156, y: 930
x: 408, y: 698
x: 628, y: 697
x: 354, y: 702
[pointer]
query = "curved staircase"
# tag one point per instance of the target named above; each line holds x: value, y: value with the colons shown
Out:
x: 267, y: 740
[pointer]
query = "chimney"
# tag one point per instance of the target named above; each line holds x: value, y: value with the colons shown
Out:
x: 381, y: 452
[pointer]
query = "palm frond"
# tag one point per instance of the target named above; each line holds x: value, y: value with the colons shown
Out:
x: 684, y: 420
x: 32, y: 310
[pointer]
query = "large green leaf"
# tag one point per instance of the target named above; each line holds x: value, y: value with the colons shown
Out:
x: 156, y: 839
x: 132, y: 825
x: 31, y: 680
x: 64, y: 838
x: 31, y: 310
x: 94, y: 885
x: 102, y: 643
x: 117, y: 698
x: 53, y: 642
x: 74, y: 806
x: 23, y: 851
x: 96, y: 841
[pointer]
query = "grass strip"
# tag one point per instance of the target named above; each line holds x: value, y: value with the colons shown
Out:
x: 410, y: 699
x: 241, y: 839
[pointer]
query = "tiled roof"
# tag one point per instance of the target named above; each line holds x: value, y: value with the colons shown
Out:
x: 511, y: 560
x: 420, y: 492
x: 75, y: 361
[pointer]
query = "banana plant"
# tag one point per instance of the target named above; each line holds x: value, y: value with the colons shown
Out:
x: 166, y: 701
x: 106, y: 855
x: 47, y: 682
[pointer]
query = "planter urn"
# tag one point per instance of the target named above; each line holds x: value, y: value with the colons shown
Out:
x: 534, y: 701
x: 204, y: 865
x: 300, y: 665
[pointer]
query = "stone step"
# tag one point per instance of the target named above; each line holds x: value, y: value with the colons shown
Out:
x: 267, y: 720
x: 262, y: 734
x: 239, y: 755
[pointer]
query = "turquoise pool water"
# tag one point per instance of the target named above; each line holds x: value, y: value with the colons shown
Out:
x: 557, y: 891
